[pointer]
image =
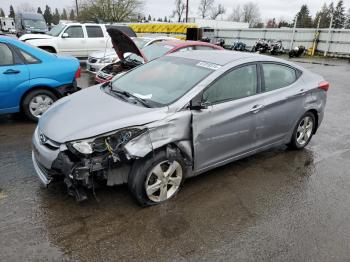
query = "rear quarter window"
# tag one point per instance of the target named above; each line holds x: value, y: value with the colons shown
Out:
x: 278, y: 76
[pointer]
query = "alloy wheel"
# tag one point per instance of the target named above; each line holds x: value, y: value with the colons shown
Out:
x: 163, y: 181
x: 304, y: 130
x: 39, y: 104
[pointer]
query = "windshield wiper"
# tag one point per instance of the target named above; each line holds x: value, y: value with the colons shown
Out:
x: 123, y: 93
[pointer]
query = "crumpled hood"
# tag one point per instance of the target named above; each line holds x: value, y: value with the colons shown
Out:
x: 93, y: 112
x: 26, y: 37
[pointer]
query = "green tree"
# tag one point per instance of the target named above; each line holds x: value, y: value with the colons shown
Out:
x: 165, y: 19
x: 64, y: 14
x: 347, y: 20
x: 56, y: 17
x: 149, y: 18
x: 48, y: 15
x: 304, y: 18
x: 39, y: 10
x: 71, y: 15
x: 2, y: 13
x: 323, y: 16
x: 12, y: 12
x: 339, y: 15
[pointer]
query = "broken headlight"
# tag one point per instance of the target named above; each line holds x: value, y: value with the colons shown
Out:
x: 83, y: 147
x: 111, y: 143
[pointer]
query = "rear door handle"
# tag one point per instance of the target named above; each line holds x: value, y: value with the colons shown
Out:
x: 256, y: 108
x: 11, y: 72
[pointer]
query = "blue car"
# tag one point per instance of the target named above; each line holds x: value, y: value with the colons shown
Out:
x: 31, y: 79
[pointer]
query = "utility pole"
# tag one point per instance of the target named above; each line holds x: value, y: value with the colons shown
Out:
x: 186, y: 11
x: 293, y: 35
x: 329, y: 36
x: 76, y: 6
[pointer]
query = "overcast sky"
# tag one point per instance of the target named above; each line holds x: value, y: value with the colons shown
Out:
x: 159, y: 8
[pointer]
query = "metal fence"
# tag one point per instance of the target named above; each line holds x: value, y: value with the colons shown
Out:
x: 334, y: 42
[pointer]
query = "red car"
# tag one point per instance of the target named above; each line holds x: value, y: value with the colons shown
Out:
x: 131, y: 56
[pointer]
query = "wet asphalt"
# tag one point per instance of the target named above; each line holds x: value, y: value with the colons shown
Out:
x: 279, y: 205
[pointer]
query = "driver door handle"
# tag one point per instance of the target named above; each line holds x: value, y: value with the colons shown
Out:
x: 256, y: 108
x: 11, y: 72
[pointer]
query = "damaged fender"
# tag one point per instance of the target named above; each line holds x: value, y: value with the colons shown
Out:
x: 174, y: 129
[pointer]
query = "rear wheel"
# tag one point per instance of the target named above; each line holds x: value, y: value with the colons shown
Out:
x: 303, y: 131
x: 37, y: 102
x: 156, y: 179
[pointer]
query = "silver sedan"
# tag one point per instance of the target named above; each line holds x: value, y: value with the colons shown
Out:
x: 176, y: 117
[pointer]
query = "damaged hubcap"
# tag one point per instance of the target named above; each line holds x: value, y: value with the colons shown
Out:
x: 39, y: 104
x: 163, y: 181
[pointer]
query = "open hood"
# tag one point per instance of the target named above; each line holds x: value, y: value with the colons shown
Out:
x: 123, y: 44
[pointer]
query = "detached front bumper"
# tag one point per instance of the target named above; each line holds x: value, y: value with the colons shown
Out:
x: 43, y: 156
x: 44, y: 177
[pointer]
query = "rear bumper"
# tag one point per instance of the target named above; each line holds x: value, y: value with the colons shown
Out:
x: 69, y: 88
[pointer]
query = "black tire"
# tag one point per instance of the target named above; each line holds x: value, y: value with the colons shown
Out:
x: 294, y: 144
x: 28, y: 98
x: 140, y: 171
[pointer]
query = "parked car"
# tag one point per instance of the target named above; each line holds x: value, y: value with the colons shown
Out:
x: 176, y: 117
x: 31, y: 80
x: 78, y: 40
x: 97, y: 60
x: 126, y: 46
x: 30, y: 23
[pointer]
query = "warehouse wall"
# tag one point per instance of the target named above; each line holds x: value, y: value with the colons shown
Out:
x: 335, y: 43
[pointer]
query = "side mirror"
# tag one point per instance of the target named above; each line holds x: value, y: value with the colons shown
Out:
x: 197, y: 103
x: 65, y: 35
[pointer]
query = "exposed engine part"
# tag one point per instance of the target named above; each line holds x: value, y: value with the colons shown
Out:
x: 121, y: 66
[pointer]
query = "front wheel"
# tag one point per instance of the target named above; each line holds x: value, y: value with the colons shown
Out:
x: 303, y: 131
x: 37, y: 102
x: 156, y: 179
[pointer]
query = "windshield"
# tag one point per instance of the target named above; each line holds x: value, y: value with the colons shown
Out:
x: 152, y: 52
x: 35, y: 24
x: 56, y: 30
x: 164, y: 80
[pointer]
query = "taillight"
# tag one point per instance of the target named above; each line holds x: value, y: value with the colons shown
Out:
x: 78, y: 73
x: 324, y: 85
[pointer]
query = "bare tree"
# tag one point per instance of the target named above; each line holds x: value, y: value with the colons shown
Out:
x: 216, y: 11
x: 236, y: 15
x: 180, y: 7
x: 109, y: 10
x: 204, y: 7
x: 251, y: 13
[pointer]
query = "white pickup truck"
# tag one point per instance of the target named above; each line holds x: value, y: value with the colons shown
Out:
x: 74, y: 39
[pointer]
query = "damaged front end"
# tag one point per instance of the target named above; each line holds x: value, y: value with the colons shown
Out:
x: 101, y: 159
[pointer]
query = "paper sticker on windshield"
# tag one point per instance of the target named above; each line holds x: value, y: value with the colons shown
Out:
x: 208, y: 65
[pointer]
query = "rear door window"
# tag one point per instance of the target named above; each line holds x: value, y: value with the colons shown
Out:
x: 278, y: 76
x: 6, y: 55
x: 94, y: 31
x: 75, y: 32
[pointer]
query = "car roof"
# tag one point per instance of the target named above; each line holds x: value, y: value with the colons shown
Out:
x: 223, y: 57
